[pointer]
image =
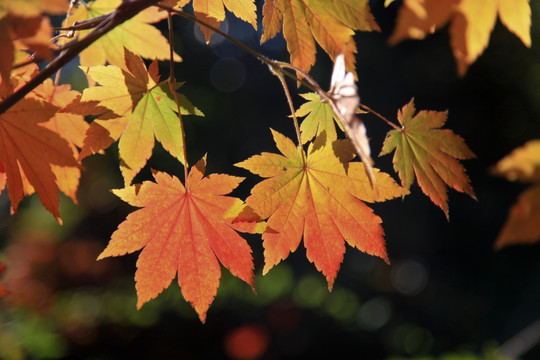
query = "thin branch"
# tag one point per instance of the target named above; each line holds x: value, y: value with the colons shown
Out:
x: 367, y: 108
x: 172, y: 86
x: 272, y: 64
x: 59, y: 72
x: 276, y: 66
x: 293, y: 112
x: 32, y: 58
x: 83, y: 24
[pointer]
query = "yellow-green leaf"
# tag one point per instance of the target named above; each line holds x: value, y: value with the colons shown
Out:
x: 144, y: 109
x: 319, y: 119
x: 430, y: 154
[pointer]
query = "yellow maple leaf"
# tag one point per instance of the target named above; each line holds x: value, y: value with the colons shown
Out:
x: 213, y: 12
x: 135, y: 34
x: 330, y: 23
x: 471, y: 23
x: 144, y: 110
x: 523, y: 164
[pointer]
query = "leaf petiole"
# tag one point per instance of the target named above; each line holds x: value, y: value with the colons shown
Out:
x: 172, y: 86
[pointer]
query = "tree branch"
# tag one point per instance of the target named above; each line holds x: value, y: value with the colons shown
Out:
x: 125, y: 11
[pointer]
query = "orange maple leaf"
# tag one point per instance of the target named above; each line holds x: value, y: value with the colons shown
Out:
x: 320, y: 199
x: 143, y: 108
x: 330, y: 23
x: 28, y: 149
x: 22, y: 26
x: 22, y: 33
x: 424, y: 150
x: 472, y: 22
x: 33, y: 7
x: 522, y: 224
x: 136, y: 34
x: 182, y: 230
x: 71, y: 127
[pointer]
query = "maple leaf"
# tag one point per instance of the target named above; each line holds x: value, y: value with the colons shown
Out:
x: 28, y: 149
x: 18, y: 33
x: 143, y: 108
x: 320, y: 200
x: 330, y: 23
x: 31, y: 8
x: 136, y: 34
x: 472, y: 22
x: 521, y: 226
x: 431, y: 154
x: 319, y: 118
x: 182, y: 230
x: 71, y: 127
x: 523, y: 164
x: 243, y: 9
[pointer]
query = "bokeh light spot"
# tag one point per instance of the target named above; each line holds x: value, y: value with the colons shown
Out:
x: 247, y: 342
x: 374, y: 314
x: 310, y: 291
x: 409, y: 277
x: 228, y: 75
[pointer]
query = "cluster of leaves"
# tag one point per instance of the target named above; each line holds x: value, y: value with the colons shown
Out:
x: 313, y: 190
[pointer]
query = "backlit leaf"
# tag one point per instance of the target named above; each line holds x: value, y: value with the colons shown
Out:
x: 29, y: 150
x: 213, y: 12
x: 71, y: 127
x: 521, y: 226
x: 330, y: 23
x: 135, y: 34
x: 523, y: 164
x: 430, y: 154
x: 320, y: 201
x: 144, y: 109
x: 182, y: 230
x: 472, y: 22
x: 22, y: 33
x: 319, y: 119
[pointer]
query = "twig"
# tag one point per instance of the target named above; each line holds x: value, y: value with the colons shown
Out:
x: 293, y: 112
x: 172, y: 86
x: 367, y: 108
x: 276, y: 66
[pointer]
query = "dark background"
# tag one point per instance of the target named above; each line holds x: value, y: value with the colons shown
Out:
x: 447, y: 294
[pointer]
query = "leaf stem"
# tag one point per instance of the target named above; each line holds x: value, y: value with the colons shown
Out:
x: 367, y: 108
x: 172, y: 86
x: 59, y: 72
x: 293, y: 112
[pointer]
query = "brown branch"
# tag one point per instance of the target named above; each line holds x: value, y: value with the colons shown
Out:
x: 125, y: 11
